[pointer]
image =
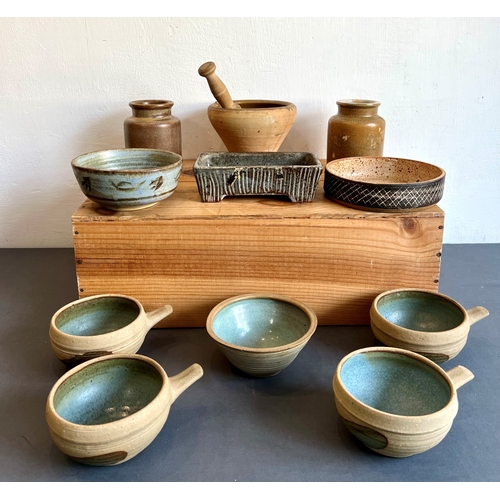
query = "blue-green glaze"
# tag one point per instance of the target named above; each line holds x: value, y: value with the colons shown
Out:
x: 126, y: 179
x: 395, y: 383
x: 260, y: 323
x: 107, y: 391
x: 97, y: 316
x: 420, y: 311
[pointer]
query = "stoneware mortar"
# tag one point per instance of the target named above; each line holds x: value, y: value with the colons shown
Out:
x: 249, y: 126
x: 107, y: 410
x: 100, y: 325
x: 127, y: 179
x: 396, y: 402
x: 383, y: 184
x: 261, y: 334
x: 259, y: 125
x: 424, y: 322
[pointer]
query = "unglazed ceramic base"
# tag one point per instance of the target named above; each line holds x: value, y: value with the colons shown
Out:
x: 130, y: 209
x: 261, y: 334
x: 396, y: 402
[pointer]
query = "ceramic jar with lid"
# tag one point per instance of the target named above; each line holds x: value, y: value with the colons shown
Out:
x: 356, y: 130
x: 152, y: 126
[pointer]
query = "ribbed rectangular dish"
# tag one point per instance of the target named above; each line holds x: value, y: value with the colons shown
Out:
x: 295, y: 175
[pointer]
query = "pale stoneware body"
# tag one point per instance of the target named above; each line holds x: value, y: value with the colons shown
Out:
x: 356, y: 130
x: 437, y: 344
x: 257, y: 126
x: 260, y: 342
x: 117, y: 441
x: 90, y: 339
x: 392, y: 434
x: 153, y: 126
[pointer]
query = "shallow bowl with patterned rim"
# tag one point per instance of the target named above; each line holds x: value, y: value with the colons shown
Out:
x: 127, y: 179
x: 261, y: 334
x: 383, y: 184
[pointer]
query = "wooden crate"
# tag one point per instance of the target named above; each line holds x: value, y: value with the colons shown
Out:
x: 193, y: 255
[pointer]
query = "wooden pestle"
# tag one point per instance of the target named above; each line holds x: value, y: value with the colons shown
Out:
x: 218, y: 88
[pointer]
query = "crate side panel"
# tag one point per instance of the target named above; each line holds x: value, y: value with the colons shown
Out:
x: 336, y: 266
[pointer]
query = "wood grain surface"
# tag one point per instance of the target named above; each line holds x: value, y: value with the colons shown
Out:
x: 193, y: 255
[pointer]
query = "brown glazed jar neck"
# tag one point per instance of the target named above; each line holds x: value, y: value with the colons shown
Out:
x: 151, y: 108
x: 358, y: 107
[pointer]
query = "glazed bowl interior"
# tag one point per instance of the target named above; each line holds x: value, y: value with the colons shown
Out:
x: 420, y: 311
x: 97, y: 316
x: 261, y: 323
x: 395, y: 383
x: 131, y: 160
x: 107, y: 391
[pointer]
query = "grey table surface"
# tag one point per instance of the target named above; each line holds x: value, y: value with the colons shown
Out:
x: 232, y: 427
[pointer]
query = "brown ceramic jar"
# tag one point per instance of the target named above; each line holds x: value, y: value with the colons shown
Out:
x: 357, y: 130
x: 152, y: 126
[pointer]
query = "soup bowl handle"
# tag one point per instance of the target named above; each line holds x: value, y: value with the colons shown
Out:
x: 477, y: 313
x: 460, y: 376
x: 154, y: 317
x: 183, y: 380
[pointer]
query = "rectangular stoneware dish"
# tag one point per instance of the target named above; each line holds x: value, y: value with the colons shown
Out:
x: 295, y: 175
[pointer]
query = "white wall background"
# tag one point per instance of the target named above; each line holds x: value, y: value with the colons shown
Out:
x: 65, y: 84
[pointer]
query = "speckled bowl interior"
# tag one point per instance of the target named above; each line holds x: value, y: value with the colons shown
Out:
x: 107, y: 391
x: 395, y: 383
x: 382, y: 170
x: 420, y: 311
x: 261, y: 323
x: 97, y: 316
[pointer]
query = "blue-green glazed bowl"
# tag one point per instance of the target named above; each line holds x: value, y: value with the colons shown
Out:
x: 107, y: 410
x: 99, y: 325
x: 261, y: 334
x: 127, y: 179
x: 425, y: 322
x: 396, y: 402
